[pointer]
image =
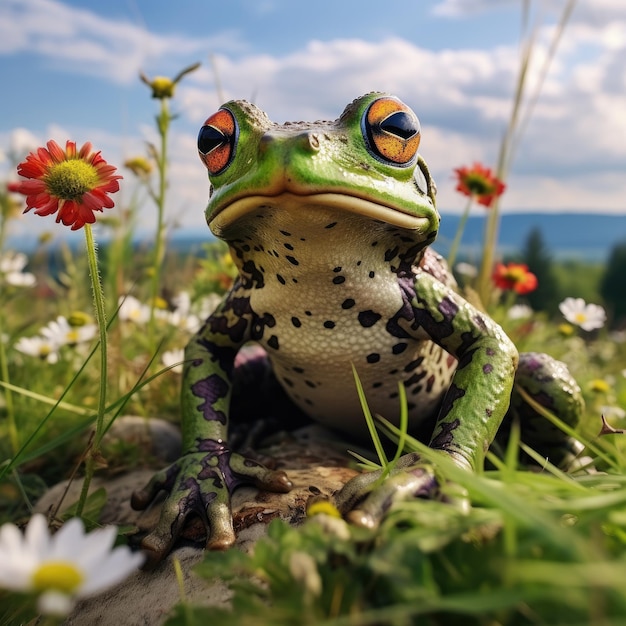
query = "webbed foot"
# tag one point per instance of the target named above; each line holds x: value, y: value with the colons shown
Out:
x: 365, y: 499
x: 201, y: 483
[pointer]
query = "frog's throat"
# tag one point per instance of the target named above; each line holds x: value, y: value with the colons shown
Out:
x: 242, y: 206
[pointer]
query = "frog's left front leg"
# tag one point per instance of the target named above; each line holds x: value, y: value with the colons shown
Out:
x: 471, y: 410
x: 202, y: 481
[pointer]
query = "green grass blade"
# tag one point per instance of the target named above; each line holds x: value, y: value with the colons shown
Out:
x: 369, y: 420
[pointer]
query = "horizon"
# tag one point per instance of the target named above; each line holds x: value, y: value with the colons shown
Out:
x: 561, y: 242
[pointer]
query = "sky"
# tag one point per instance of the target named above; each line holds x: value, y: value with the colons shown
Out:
x: 70, y: 70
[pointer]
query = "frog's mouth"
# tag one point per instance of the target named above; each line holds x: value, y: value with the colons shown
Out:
x: 244, y: 206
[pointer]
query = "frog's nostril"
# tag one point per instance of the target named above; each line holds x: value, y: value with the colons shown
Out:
x: 314, y: 140
x: 309, y: 141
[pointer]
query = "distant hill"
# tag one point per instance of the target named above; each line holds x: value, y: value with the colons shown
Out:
x: 566, y: 235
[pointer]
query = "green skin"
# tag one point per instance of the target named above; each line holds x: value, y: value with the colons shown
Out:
x: 330, y: 239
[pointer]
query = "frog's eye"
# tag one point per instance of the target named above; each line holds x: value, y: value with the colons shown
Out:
x: 216, y: 141
x: 392, y: 131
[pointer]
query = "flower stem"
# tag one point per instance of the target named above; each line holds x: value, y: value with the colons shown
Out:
x: 163, y: 122
x: 454, y: 248
x: 8, y: 396
x: 4, y: 364
x: 98, y: 297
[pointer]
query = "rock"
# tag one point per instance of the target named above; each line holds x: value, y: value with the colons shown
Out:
x: 156, y: 436
x: 315, y: 462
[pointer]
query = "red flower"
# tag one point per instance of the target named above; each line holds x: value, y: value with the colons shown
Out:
x: 70, y: 183
x: 514, y: 276
x: 480, y: 183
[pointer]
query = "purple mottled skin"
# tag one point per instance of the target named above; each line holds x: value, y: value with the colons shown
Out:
x: 329, y: 225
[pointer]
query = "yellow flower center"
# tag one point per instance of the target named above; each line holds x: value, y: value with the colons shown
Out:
x: 72, y: 337
x: 323, y: 507
x: 162, y: 87
x: 580, y: 317
x: 44, y: 350
x: 478, y: 185
x: 70, y: 180
x: 599, y: 386
x: 78, y: 318
x: 60, y: 576
x: 515, y: 274
x: 139, y: 166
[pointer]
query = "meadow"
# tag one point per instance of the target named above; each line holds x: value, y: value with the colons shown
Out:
x: 88, y: 335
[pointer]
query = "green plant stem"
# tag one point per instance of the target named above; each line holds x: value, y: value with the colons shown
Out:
x: 454, y: 248
x: 512, y: 136
x: 163, y: 123
x: 98, y: 297
x: 8, y: 396
x: 4, y: 364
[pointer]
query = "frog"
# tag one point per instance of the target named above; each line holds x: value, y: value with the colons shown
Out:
x: 330, y: 225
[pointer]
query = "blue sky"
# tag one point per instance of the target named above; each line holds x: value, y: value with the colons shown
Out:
x: 70, y: 68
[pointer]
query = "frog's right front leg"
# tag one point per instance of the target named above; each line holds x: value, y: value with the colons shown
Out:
x: 202, y: 480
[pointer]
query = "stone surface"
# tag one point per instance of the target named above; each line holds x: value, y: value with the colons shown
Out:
x: 156, y: 436
x: 314, y: 461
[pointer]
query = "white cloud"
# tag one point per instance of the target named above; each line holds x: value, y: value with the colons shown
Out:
x: 463, y: 8
x: 81, y: 41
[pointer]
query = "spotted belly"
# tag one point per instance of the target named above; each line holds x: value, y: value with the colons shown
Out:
x: 319, y: 378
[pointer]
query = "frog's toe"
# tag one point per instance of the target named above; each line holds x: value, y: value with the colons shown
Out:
x: 158, y: 544
x: 249, y: 471
x: 413, y: 482
x: 355, y: 490
x: 212, y: 508
x: 160, y: 481
x: 219, y: 526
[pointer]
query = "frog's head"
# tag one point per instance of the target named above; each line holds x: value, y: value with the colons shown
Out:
x: 365, y: 163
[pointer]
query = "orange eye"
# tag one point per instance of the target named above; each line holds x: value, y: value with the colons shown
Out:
x: 216, y: 141
x: 392, y: 131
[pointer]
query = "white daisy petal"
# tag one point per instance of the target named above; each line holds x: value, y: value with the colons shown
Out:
x: 66, y: 542
x: 10, y: 538
x: 118, y: 565
x: 95, y: 547
x: 37, y: 537
x: 55, y: 603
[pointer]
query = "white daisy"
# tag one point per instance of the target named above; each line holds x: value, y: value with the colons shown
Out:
x: 12, y: 262
x: 182, y: 302
x: 187, y: 322
x: 519, y: 312
x: 41, y: 347
x: 65, y: 566
x: 174, y: 358
x: 61, y: 332
x: 133, y: 310
x: 12, y: 266
x: 578, y: 312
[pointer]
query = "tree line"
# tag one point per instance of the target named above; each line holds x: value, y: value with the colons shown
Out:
x: 577, y: 279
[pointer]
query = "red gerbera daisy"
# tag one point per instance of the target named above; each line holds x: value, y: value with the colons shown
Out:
x: 515, y: 277
x: 72, y: 184
x: 480, y: 183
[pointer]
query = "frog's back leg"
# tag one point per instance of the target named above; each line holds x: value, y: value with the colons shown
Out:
x: 550, y: 383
